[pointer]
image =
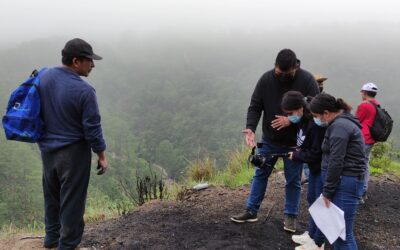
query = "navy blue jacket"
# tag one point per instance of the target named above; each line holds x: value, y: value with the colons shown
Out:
x: 69, y: 110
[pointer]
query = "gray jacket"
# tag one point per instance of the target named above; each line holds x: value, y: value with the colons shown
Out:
x: 342, y: 152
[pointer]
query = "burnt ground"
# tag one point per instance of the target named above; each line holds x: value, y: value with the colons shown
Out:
x: 201, y: 221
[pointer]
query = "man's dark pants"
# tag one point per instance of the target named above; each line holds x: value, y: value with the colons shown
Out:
x: 66, y: 173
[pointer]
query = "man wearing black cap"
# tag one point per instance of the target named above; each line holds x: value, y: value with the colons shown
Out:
x: 72, y: 130
x: 279, y: 134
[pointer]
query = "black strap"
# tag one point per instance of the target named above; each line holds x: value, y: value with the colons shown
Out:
x: 34, y: 73
x: 375, y: 105
x: 253, y: 150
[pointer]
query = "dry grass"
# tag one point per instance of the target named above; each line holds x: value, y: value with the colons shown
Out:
x: 237, y: 160
x: 201, y: 170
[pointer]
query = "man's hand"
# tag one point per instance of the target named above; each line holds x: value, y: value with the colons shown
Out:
x: 280, y: 122
x: 290, y: 155
x: 327, y: 201
x: 250, y: 137
x: 102, y: 164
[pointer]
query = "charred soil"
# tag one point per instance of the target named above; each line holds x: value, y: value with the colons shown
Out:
x: 200, y: 220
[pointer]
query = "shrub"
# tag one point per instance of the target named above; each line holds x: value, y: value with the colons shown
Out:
x: 383, y: 159
x: 201, y: 170
x: 237, y: 160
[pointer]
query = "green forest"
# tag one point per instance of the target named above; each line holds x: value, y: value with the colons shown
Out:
x: 168, y: 101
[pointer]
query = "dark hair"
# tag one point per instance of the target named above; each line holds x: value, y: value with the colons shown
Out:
x: 286, y: 59
x: 293, y: 100
x: 370, y: 93
x: 325, y: 101
x: 67, y: 60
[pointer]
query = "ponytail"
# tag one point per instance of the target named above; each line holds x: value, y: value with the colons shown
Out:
x: 341, y: 104
x: 325, y: 101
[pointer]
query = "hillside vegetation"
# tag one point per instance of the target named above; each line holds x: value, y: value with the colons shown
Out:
x: 171, y: 103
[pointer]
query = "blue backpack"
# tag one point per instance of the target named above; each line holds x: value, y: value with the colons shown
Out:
x: 22, y: 121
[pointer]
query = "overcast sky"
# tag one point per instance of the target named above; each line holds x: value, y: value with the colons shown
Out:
x: 24, y: 20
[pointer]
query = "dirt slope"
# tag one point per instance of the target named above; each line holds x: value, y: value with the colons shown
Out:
x: 201, y: 221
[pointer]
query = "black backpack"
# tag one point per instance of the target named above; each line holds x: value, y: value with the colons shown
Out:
x: 382, y: 126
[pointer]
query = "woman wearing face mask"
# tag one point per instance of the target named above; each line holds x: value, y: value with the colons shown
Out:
x: 309, y: 140
x: 343, y: 160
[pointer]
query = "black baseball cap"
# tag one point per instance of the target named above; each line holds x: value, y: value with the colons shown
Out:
x: 79, y: 48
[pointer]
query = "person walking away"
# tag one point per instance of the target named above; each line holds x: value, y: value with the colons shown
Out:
x: 279, y: 134
x: 366, y: 113
x: 72, y: 129
x: 343, y: 160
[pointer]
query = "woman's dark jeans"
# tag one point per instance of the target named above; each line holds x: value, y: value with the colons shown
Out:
x: 347, y: 197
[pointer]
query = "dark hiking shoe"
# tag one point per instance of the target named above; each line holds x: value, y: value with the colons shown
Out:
x: 244, y: 217
x: 290, y: 223
x: 50, y: 242
x: 50, y: 246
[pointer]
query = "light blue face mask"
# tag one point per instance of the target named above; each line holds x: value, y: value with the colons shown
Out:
x: 294, y: 118
x: 320, y: 123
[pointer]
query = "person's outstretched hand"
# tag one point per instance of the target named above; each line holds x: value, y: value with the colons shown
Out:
x: 250, y: 137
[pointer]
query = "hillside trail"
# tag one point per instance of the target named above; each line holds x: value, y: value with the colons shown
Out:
x: 200, y: 220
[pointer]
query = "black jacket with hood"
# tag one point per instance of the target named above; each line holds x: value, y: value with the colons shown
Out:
x: 267, y: 98
x: 310, y: 151
x: 342, y: 152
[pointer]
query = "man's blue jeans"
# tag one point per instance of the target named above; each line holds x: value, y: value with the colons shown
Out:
x: 347, y: 197
x: 260, y: 180
x: 314, y: 191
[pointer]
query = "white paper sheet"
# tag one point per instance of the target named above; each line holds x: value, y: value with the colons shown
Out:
x: 329, y: 220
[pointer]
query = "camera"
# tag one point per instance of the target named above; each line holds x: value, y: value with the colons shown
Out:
x: 259, y: 160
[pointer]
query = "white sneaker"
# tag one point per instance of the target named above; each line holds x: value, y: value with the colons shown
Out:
x: 302, y: 239
x: 310, y: 246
